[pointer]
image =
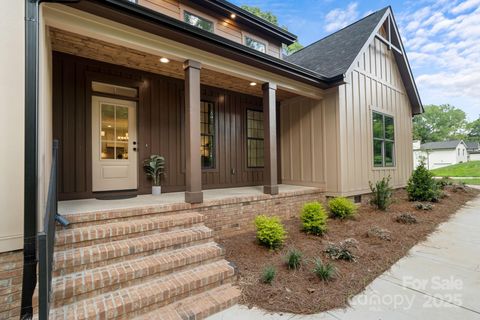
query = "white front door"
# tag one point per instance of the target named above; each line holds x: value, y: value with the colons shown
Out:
x: 114, y: 144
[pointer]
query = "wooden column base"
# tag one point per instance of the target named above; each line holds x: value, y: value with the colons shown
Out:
x: 273, y: 190
x: 194, y: 197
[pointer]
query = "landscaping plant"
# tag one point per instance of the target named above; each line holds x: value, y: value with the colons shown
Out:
x: 294, y: 258
x: 379, y: 233
x: 314, y: 218
x: 406, y: 218
x: 422, y: 186
x: 445, y: 181
x: 270, y: 231
x: 342, y: 208
x: 424, y: 206
x: 342, y: 251
x: 269, y: 274
x: 381, y: 193
x: 324, y: 271
x: 154, y: 167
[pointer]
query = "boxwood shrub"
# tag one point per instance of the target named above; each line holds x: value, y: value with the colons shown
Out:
x: 314, y: 218
x: 342, y: 208
x: 270, y: 231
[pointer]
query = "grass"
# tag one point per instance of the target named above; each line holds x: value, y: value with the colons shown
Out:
x: 466, y: 169
x: 469, y: 181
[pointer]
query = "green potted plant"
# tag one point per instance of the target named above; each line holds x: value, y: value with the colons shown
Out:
x: 154, y: 168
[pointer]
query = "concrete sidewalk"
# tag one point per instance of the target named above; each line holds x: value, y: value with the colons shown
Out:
x: 439, y: 279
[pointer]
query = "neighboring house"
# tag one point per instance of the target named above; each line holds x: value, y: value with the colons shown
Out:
x: 473, y: 149
x: 202, y: 83
x: 440, y: 154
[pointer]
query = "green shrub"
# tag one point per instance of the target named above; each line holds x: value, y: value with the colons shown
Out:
x: 270, y: 231
x: 342, y: 208
x: 342, y: 251
x: 294, y: 259
x: 324, y: 271
x: 381, y: 193
x: 268, y: 274
x: 314, y: 218
x: 421, y: 185
x: 445, y: 181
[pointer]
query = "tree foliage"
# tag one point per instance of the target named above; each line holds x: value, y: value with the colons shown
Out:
x: 273, y: 19
x: 474, y: 130
x: 439, y: 123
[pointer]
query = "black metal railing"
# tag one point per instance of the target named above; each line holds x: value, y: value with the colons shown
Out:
x: 46, y: 242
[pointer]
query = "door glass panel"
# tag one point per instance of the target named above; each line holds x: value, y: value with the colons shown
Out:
x: 114, y: 132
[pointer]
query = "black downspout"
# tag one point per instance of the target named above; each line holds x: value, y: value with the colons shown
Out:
x: 29, y: 280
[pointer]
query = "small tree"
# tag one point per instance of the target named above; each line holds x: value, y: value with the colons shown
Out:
x: 421, y: 185
x: 381, y: 193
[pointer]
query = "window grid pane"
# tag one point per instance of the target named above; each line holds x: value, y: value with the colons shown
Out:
x: 255, y: 44
x: 207, y: 135
x: 383, y: 128
x: 197, y: 21
x: 255, y: 141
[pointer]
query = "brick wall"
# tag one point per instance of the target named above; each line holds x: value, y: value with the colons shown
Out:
x: 236, y: 215
x: 11, y: 267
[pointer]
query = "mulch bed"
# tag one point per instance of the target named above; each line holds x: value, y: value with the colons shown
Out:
x: 300, y: 291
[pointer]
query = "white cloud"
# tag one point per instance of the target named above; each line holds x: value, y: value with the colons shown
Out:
x: 339, y: 18
x: 463, y: 6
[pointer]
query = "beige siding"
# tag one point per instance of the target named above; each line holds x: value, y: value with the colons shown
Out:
x: 332, y: 142
x: 224, y: 27
x: 302, y: 141
x: 373, y: 84
x: 12, y: 86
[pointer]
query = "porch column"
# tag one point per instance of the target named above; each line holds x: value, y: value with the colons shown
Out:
x: 193, y: 172
x: 270, y: 138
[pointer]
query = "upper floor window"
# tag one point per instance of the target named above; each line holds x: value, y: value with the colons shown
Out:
x: 197, y: 21
x: 207, y: 129
x: 255, y: 141
x: 255, y: 44
x: 383, y: 140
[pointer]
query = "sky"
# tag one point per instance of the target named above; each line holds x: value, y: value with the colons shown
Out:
x: 442, y: 39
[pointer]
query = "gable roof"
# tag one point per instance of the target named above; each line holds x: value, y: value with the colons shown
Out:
x: 472, y: 145
x: 334, y: 54
x: 441, y: 145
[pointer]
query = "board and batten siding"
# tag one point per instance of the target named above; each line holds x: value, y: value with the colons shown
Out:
x: 302, y: 142
x: 373, y: 84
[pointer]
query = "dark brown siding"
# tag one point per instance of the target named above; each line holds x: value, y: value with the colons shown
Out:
x: 160, y: 126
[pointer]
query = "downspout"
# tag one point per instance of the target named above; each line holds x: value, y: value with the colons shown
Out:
x: 30, y: 190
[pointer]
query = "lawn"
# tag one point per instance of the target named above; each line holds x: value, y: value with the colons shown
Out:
x: 466, y: 169
x: 469, y: 181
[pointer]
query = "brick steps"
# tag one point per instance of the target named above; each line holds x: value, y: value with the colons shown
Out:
x: 135, y: 300
x: 197, y: 307
x: 77, y: 286
x: 95, y: 234
x: 83, y: 258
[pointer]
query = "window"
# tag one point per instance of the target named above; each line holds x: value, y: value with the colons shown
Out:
x: 383, y: 140
x: 207, y: 131
x: 255, y: 44
x: 197, y: 21
x: 255, y: 143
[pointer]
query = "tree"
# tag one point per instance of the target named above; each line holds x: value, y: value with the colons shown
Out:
x: 273, y: 19
x: 439, y: 123
x: 474, y: 130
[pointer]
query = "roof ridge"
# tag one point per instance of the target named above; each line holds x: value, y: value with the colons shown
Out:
x: 331, y: 34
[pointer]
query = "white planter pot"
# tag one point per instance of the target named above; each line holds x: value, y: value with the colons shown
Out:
x: 156, y: 190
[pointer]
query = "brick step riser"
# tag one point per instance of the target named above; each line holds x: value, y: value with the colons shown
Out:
x: 130, y: 235
x: 64, y: 270
x: 128, y: 316
x: 127, y: 283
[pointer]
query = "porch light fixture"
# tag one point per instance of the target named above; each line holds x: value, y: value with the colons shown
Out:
x: 164, y: 60
x: 233, y: 16
x: 253, y: 84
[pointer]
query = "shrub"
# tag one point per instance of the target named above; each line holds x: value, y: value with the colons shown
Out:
x: 406, y: 218
x: 342, y: 207
x: 324, y: 271
x: 377, y: 232
x: 294, y: 258
x: 270, y: 231
x: 268, y: 274
x: 421, y: 185
x: 314, y: 218
x: 424, y: 206
x: 342, y: 251
x: 381, y: 193
x: 445, y: 181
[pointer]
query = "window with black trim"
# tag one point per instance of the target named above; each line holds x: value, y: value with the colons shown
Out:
x: 207, y: 134
x: 255, y: 44
x: 255, y: 142
x: 197, y: 21
x: 383, y: 140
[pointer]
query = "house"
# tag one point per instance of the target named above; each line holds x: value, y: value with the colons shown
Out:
x: 95, y: 87
x: 440, y: 154
x: 473, y: 149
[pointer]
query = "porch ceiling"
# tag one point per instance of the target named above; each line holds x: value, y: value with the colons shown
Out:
x: 87, y: 47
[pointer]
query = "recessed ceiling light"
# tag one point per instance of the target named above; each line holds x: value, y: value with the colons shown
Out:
x: 164, y: 60
x: 253, y: 84
x: 233, y: 16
